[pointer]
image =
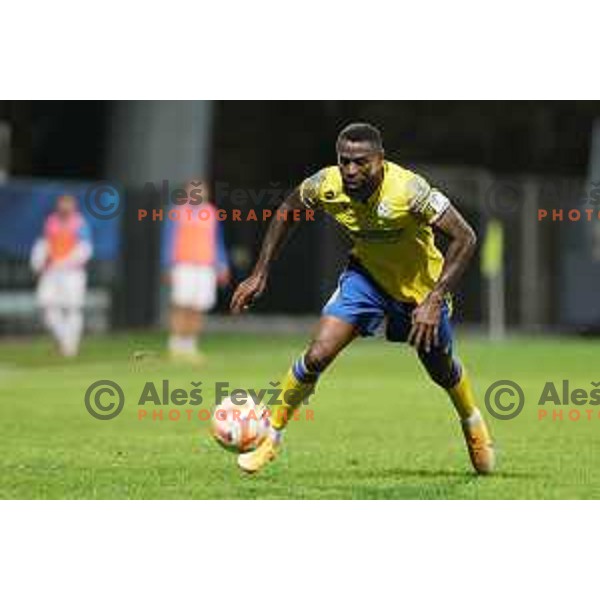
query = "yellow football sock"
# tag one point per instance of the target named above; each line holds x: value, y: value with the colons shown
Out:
x: 293, y: 392
x: 462, y: 396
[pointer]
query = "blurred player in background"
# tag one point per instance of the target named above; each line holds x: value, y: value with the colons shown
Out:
x: 197, y: 263
x: 59, y: 260
x: 395, y: 275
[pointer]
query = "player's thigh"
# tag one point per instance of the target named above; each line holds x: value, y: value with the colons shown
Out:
x: 73, y: 285
x: 330, y: 338
x: 47, y: 292
x: 194, y: 287
x: 60, y: 289
x: 206, y: 296
x: 357, y: 301
x: 182, y: 285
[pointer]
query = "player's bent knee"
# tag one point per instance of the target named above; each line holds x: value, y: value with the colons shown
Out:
x: 443, y: 369
x: 319, y: 356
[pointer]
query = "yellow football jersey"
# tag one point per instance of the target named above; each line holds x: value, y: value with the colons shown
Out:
x: 391, y: 230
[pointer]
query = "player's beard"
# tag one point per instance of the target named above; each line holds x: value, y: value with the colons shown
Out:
x: 364, y: 191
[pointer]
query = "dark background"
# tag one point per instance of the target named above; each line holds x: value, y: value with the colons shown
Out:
x: 262, y: 144
x: 289, y: 138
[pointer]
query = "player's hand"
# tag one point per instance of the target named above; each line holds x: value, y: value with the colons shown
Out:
x: 247, y: 292
x: 424, y: 333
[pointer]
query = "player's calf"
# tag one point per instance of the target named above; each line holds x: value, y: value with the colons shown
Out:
x: 299, y: 383
x: 448, y: 373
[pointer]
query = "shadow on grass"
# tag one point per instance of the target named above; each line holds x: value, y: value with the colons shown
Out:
x: 466, y: 475
x: 404, y: 483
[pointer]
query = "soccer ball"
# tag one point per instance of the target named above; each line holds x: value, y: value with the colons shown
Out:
x: 239, y: 428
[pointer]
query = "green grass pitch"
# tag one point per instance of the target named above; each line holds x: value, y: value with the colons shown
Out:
x: 380, y: 428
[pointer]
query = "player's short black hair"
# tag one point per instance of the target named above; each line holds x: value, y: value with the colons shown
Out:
x: 361, y: 132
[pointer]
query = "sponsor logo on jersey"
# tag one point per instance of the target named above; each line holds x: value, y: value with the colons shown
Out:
x: 384, y: 236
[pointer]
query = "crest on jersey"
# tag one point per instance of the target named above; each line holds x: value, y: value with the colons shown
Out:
x: 384, y: 210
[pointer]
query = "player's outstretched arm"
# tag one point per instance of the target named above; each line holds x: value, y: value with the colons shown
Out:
x: 426, y: 317
x: 277, y: 233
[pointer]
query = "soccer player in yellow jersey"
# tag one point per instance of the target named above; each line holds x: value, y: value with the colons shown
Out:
x: 395, y: 272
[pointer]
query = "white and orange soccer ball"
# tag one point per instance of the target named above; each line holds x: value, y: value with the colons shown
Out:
x: 239, y: 428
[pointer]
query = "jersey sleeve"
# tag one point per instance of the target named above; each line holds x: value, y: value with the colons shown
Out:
x: 167, y: 251
x: 85, y: 242
x: 85, y: 232
x: 426, y: 203
x: 311, y: 190
x: 222, y: 260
